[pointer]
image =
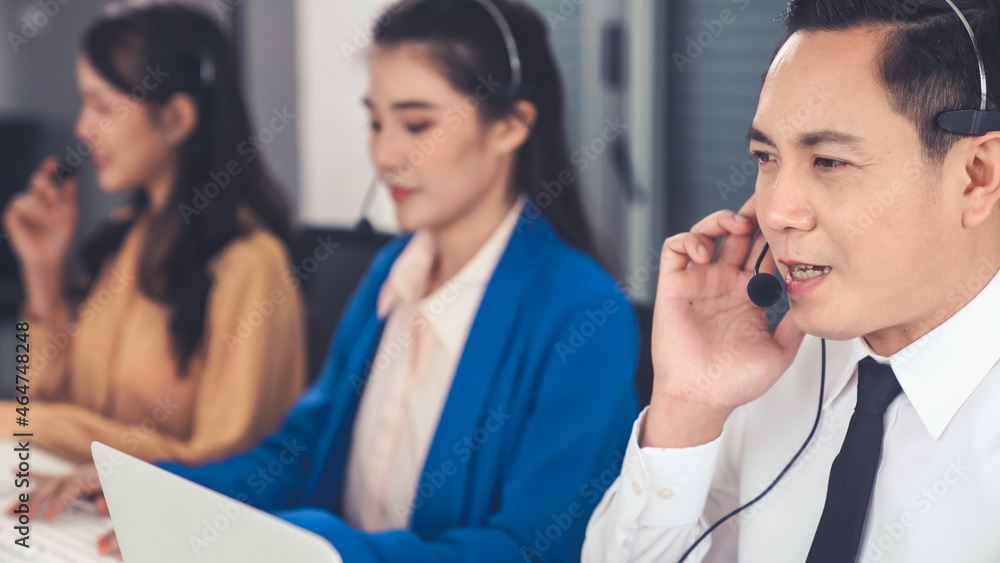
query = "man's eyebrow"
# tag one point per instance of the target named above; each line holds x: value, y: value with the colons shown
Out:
x: 830, y: 137
x: 754, y: 134
x: 811, y: 139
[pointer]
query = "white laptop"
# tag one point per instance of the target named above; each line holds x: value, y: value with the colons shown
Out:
x: 160, y: 517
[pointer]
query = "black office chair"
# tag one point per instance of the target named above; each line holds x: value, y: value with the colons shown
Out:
x: 328, y: 288
x: 17, y: 143
x: 644, y: 370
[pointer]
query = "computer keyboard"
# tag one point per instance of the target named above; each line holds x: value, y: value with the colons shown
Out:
x: 70, y: 537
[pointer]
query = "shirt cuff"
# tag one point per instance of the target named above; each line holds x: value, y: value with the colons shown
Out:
x: 667, y: 487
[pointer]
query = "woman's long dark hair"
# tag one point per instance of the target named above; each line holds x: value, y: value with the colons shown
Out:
x: 467, y: 45
x: 151, y: 53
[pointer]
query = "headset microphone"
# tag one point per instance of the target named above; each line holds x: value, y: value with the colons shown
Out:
x: 764, y: 289
x: 363, y: 229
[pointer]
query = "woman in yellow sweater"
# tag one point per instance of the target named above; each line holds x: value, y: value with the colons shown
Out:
x: 189, y: 343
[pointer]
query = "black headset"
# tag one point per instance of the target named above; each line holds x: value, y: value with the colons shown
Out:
x: 765, y: 289
x: 972, y: 122
x: 510, y: 44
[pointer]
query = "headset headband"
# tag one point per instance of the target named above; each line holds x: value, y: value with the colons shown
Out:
x: 974, y: 122
x: 509, y: 43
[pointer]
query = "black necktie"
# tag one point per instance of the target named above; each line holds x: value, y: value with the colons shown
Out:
x: 852, y: 475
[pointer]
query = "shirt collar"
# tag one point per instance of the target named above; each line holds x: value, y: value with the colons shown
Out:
x: 451, y: 308
x: 939, y: 371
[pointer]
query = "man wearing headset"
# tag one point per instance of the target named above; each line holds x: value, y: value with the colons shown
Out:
x: 880, y: 204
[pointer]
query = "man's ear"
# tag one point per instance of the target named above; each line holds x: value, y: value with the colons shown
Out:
x: 983, y: 192
x: 178, y: 118
x: 515, y: 129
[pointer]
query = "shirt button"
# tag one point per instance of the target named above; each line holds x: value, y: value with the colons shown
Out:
x: 636, y: 488
x: 666, y: 493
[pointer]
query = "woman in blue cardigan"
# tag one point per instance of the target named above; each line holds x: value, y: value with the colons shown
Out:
x: 478, y: 394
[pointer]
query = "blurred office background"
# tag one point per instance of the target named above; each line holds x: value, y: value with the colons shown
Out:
x: 660, y: 94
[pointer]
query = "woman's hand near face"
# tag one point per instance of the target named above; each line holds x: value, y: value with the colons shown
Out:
x: 40, y: 223
x: 711, y: 348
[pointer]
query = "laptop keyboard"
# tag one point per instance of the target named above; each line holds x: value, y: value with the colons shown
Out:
x: 71, y: 537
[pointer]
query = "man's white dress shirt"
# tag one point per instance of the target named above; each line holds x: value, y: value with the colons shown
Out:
x: 937, y: 491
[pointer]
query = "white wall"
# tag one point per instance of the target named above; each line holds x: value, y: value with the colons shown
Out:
x: 332, y: 40
x: 268, y: 51
x: 8, y: 101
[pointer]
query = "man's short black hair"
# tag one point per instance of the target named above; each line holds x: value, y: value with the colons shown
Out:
x: 927, y: 62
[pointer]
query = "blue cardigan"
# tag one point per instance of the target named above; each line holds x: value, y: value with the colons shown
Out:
x: 532, y: 433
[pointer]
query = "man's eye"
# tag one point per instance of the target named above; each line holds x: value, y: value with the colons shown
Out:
x: 762, y: 157
x: 375, y: 126
x: 417, y: 127
x: 829, y: 163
